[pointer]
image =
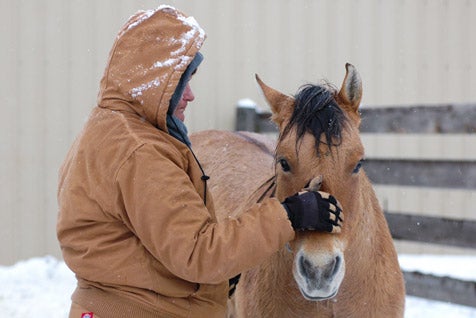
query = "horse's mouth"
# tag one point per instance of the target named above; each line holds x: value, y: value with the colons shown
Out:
x: 316, y: 298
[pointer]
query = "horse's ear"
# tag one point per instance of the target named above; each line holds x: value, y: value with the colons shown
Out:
x: 351, y: 90
x: 281, y: 105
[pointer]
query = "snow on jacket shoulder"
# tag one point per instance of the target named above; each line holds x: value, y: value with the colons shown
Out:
x: 132, y: 223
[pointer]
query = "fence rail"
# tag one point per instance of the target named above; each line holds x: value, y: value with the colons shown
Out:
x: 440, y: 288
x: 419, y: 172
x: 422, y: 173
x: 442, y: 231
x: 434, y: 119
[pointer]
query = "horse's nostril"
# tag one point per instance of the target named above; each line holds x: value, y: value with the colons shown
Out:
x: 338, y: 261
x: 333, y: 267
x: 305, y: 266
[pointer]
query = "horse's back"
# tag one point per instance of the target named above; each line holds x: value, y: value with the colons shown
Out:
x: 237, y: 163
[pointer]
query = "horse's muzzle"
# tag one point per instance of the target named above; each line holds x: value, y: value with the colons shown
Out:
x: 319, y: 276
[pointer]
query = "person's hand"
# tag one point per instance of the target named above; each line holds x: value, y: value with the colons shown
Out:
x: 314, y: 210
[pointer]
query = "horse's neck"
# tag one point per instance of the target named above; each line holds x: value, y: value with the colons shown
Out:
x: 372, y: 230
x: 367, y: 233
x: 370, y: 258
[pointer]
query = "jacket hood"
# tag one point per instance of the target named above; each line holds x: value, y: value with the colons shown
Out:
x: 146, y: 62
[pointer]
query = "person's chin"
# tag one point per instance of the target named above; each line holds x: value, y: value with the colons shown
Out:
x: 181, y: 116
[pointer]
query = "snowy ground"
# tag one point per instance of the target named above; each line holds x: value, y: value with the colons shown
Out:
x: 41, y: 287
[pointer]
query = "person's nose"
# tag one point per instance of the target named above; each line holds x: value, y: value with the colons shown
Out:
x: 188, y: 94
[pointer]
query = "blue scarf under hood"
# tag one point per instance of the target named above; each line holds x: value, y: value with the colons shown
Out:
x: 175, y: 126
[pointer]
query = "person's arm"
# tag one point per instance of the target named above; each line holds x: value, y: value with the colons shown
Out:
x: 168, y: 216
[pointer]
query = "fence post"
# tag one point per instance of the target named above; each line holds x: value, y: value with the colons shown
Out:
x: 246, y: 118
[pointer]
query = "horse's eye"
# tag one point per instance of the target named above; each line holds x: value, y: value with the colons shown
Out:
x: 284, y: 165
x: 358, y: 166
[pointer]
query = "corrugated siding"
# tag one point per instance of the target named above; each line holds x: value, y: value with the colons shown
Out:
x: 53, y: 54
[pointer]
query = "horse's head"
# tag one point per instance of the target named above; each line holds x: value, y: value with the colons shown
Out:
x: 319, y: 138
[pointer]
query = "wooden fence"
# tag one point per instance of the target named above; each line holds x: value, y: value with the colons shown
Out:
x: 417, y: 172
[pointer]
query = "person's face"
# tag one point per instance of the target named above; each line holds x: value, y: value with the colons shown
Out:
x: 187, y: 96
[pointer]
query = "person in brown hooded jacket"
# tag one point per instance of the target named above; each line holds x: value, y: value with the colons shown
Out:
x: 135, y: 223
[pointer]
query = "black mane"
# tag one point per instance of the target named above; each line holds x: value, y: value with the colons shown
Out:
x: 316, y: 112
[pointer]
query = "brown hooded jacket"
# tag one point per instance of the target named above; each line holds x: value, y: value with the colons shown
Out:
x: 132, y: 221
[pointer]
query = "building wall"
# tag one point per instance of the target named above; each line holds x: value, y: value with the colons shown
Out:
x: 53, y: 54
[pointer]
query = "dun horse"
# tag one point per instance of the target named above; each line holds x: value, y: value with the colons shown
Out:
x: 351, y: 274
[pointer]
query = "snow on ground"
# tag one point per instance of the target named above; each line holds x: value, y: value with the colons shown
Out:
x: 41, y: 287
x: 461, y: 267
x: 38, y: 287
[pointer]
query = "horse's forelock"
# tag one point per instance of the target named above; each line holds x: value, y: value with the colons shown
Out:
x: 317, y: 112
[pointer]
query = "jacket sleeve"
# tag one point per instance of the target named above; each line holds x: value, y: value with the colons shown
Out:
x: 170, y: 219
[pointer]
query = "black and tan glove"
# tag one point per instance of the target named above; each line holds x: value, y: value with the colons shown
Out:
x: 314, y: 210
